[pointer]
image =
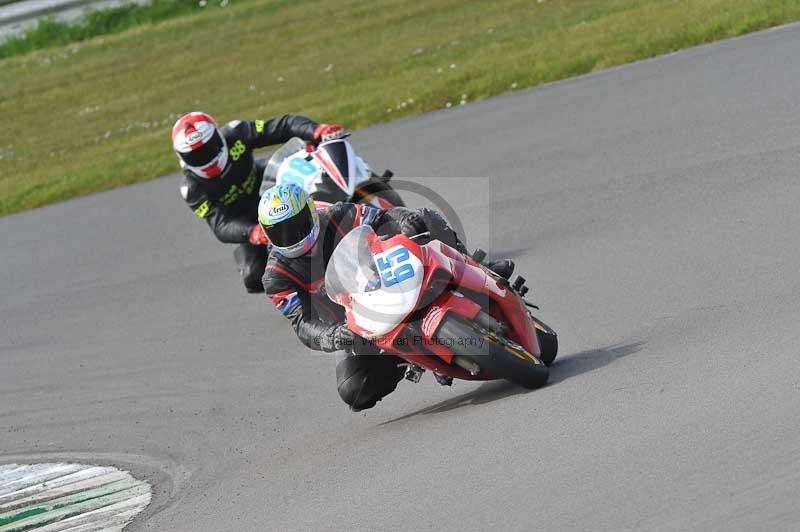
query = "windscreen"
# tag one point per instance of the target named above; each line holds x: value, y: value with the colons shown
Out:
x: 293, y: 146
x: 352, y: 269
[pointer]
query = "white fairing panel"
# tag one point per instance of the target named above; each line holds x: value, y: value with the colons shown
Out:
x: 293, y: 164
x: 359, y: 171
x: 296, y: 169
x: 379, y: 311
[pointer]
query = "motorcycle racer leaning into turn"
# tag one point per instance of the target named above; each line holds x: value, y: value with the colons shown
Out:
x: 303, y: 240
x: 221, y: 178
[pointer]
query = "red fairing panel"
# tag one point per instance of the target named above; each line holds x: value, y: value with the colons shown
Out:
x: 378, y: 246
x: 506, y: 306
x: 447, y: 303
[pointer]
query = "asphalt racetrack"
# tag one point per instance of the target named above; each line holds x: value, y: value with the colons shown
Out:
x: 654, y: 209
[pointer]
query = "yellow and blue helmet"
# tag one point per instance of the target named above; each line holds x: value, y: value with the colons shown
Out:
x: 289, y: 219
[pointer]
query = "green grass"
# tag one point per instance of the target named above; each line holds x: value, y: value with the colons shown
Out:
x: 49, y: 32
x: 95, y: 115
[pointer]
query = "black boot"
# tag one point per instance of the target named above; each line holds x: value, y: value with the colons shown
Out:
x: 502, y: 267
x: 251, y: 261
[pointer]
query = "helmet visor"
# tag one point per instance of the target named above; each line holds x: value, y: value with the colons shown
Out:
x: 291, y: 231
x: 206, y: 153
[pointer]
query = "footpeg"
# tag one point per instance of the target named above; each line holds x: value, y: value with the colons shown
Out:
x: 444, y: 380
x: 414, y: 373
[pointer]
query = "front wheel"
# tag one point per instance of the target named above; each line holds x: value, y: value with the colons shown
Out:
x: 548, y: 341
x: 492, y: 352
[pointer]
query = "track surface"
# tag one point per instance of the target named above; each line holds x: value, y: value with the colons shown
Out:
x: 655, y: 209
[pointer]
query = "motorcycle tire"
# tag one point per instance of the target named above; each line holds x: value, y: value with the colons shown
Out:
x: 548, y: 342
x: 377, y: 187
x: 490, y: 351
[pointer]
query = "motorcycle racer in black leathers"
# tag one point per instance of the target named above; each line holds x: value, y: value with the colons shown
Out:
x: 304, y: 241
x: 221, y: 178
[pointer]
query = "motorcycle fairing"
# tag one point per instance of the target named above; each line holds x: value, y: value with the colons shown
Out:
x: 468, y: 276
x: 448, y: 302
x: 415, y: 341
x: 377, y: 312
x: 503, y: 304
x: 379, y: 282
x: 345, y: 172
x: 302, y: 170
x: 336, y: 155
x: 329, y: 174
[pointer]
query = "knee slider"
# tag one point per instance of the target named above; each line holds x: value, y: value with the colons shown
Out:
x: 365, y: 380
x: 355, y: 390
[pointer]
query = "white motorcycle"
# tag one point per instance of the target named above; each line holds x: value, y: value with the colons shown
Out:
x: 329, y: 173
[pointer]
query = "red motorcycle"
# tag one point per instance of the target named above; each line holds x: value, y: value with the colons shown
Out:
x: 439, y: 310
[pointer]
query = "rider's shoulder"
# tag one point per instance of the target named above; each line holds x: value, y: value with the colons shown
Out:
x: 234, y: 128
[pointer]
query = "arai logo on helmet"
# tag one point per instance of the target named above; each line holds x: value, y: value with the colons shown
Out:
x: 191, y: 138
x: 276, y: 211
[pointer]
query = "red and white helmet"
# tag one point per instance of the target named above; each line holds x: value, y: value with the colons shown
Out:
x: 199, y: 145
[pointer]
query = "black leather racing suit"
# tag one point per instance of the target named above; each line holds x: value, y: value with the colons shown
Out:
x: 229, y: 203
x: 297, y: 291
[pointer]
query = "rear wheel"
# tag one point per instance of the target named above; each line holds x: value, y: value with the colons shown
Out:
x: 490, y: 351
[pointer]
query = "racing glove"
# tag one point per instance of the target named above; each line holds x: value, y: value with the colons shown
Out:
x: 326, y: 132
x: 257, y: 236
x: 344, y: 338
x: 413, y: 224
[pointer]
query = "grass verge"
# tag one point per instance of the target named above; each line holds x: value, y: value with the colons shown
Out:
x: 96, y: 115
